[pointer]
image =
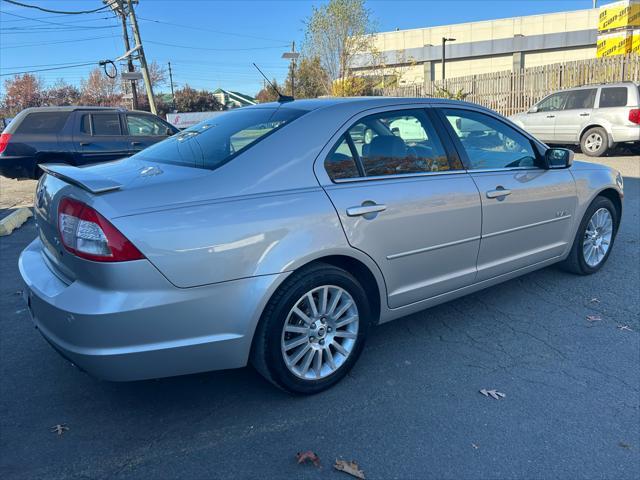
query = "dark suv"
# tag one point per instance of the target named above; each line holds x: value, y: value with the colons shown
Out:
x: 75, y: 135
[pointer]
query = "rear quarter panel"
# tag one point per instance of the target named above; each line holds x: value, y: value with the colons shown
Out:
x: 237, y: 237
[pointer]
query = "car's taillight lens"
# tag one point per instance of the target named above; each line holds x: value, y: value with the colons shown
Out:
x: 4, y: 141
x: 634, y: 115
x: 87, y: 234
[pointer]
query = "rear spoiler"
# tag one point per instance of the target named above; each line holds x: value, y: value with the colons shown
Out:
x: 80, y: 177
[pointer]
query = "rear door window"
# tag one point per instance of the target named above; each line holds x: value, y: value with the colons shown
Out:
x: 613, y: 97
x: 578, y: 99
x: 106, y: 124
x: 43, y: 123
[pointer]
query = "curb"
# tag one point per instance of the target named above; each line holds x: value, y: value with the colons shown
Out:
x: 14, y: 220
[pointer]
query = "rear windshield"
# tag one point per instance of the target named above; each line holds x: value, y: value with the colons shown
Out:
x: 214, y: 142
x: 43, y: 122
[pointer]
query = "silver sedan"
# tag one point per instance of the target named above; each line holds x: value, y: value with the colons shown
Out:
x: 279, y: 234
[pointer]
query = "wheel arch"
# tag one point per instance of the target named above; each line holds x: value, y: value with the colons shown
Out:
x: 613, y: 195
x: 596, y: 125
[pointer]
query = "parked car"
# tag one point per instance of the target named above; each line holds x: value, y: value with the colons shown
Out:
x: 76, y: 136
x: 596, y: 117
x: 207, y: 251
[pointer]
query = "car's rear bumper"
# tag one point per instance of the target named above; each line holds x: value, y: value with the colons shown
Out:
x: 17, y: 167
x: 144, y: 333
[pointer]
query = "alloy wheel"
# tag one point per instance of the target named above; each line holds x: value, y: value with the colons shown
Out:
x: 593, y: 142
x: 320, y: 332
x: 597, y: 237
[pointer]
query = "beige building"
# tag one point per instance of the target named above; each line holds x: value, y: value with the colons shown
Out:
x: 482, y: 47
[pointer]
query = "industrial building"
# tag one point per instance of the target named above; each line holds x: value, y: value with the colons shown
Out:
x: 415, y: 56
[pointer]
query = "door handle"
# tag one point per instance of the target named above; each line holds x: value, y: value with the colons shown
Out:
x: 498, y: 192
x: 551, y: 116
x: 585, y: 114
x: 365, y: 209
x: 136, y: 144
x: 85, y: 144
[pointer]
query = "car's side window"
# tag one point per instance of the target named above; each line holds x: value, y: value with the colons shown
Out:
x: 578, y: 99
x: 85, y: 124
x: 145, y: 126
x: 389, y: 143
x: 552, y: 102
x: 613, y: 97
x: 488, y: 142
x: 106, y: 124
x: 340, y: 163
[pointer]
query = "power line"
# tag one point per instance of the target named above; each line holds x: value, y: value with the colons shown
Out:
x: 215, y: 49
x: 26, y: 5
x: 64, y: 24
x: 204, y: 29
x: 21, y: 45
x: 48, y: 69
x: 43, y: 65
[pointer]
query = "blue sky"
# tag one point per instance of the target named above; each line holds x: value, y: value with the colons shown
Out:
x: 212, y: 43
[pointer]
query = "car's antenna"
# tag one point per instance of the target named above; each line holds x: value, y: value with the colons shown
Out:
x: 281, y: 98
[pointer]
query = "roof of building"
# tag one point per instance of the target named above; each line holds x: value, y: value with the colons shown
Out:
x: 238, y: 97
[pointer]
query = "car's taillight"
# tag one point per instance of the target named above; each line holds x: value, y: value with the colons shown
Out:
x: 634, y: 115
x: 4, y: 141
x: 87, y: 234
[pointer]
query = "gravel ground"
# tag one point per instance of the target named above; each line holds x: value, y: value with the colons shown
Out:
x: 411, y: 408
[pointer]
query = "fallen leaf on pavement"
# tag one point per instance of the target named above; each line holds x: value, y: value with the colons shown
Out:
x: 594, y: 318
x: 475, y: 446
x: 624, y: 445
x: 496, y: 395
x: 60, y: 428
x: 594, y: 300
x: 625, y: 327
x: 349, y: 467
x: 308, y: 456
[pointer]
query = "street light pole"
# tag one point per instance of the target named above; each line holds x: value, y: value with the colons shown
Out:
x: 173, y: 96
x: 444, y: 43
x: 293, y: 56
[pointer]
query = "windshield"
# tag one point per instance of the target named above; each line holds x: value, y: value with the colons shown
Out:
x: 217, y: 140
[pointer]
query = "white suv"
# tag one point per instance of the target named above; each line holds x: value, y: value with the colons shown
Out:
x: 596, y: 117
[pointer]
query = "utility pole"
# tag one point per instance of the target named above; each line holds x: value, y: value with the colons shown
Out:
x: 292, y: 55
x: 119, y: 9
x: 444, y: 43
x: 143, y: 60
x: 173, y: 96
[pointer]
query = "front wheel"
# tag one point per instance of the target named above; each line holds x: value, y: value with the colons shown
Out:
x: 594, y: 240
x: 313, y: 330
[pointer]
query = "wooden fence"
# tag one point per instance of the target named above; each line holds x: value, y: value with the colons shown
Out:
x: 510, y: 92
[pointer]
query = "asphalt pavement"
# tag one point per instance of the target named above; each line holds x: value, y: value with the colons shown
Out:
x: 564, y: 349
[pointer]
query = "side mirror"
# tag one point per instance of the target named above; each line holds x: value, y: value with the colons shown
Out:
x: 558, y: 158
x: 169, y: 132
x: 533, y: 109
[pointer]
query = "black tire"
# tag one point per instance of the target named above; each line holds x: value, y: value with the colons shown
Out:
x: 575, y: 262
x: 593, y: 134
x: 266, y: 355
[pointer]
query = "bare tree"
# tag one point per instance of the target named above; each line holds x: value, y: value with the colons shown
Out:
x: 22, y: 91
x: 61, y: 93
x: 98, y: 89
x: 157, y: 74
x: 310, y: 78
x: 336, y: 33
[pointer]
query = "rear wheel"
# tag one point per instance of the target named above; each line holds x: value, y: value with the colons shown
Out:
x: 313, y: 330
x: 594, y: 239
x: 594, y: 142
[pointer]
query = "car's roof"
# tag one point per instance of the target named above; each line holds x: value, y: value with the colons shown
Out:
x: 365, y: 102
x: 70, y: 108
x: 596, y: 85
